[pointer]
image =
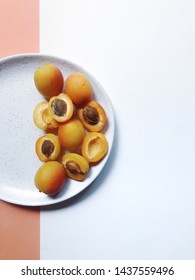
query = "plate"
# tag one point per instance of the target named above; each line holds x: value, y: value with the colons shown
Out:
x: 18, y: 160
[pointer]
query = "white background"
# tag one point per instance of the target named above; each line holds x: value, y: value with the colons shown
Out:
x: 142, y: 206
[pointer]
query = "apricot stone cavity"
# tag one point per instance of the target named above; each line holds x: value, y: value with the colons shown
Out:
x: 73, y: 167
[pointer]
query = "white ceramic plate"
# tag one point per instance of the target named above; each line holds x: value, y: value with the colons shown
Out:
x: 18, y: 161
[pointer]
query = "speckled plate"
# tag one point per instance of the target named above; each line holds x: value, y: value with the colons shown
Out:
x: 18, y: 161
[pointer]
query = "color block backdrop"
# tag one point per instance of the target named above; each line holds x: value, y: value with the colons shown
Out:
x: 19, y: 226
x: 142, y: 206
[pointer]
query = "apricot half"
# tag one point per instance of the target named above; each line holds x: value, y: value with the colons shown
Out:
x: 94, y: 147
x: 41, y: 117
x: 61, y: 107
x: 76, y: 166
x: 48, y: 147
x: 71, y: 134
x: 50, y: 177
x: 49, y: 80
x: 92, y: 116
x: 78, y: 87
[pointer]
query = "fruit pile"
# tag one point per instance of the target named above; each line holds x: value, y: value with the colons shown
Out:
x: 73, y: 123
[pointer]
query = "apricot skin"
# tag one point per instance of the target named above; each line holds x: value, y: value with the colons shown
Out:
x: 50, y: 177
x: 71, y: 134
x: 48, y: 80
x: 79, y: 89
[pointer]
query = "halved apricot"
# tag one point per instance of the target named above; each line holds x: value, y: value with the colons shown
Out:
x: 94, y: 147
x: 93, y: 116
x: 79, y: 88
x: 75, y: 165
x: 48, y: 147
x: 71, y: 134
x: 61, y: 107
x: 41, y: 117
x: 50, y: 177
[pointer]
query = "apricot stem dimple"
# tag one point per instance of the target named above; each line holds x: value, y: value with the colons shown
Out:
x: 91, y: 115
x: 73, y: 167
x: 59, y: 107
x: 47, y: 148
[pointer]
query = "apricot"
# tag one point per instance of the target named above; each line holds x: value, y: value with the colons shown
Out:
x: 48, y: 80
x: 71, y: 134
x: 61, y: 107
x: 48, y: 147
x: 94, y: 147
x: 50, y: 177
x: 75, y: 165
x: 41, y: 117
x: 92, y: 116
x: 78, y: 87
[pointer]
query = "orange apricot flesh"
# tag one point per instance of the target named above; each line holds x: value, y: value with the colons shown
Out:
x: 61, y: 107
x: 94, y: 147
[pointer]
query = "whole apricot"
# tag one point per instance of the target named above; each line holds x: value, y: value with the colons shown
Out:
x: 78, y: 87
x: 50, y: 177
x: 71, y: 134
x: 49, y: 80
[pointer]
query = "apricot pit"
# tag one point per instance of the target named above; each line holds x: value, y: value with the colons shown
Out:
x: 93, y: 116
